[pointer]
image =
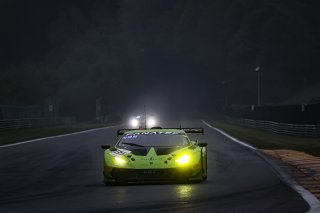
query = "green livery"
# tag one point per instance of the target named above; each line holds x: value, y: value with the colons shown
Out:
x: 155, y: 155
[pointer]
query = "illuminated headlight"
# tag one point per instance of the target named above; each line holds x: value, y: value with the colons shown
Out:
x: 184, y: 159
x: 134, y: 122
x: 120, y: 161
x: 151, y: 122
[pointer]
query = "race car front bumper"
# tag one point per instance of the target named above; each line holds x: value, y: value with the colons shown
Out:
x: 152, y: 175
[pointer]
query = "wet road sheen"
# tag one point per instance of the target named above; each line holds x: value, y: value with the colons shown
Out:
x: 65, y: 175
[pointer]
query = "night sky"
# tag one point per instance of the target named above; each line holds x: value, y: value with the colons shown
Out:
x: 168, y: 54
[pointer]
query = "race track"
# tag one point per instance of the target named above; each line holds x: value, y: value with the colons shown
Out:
x: 64, y: 174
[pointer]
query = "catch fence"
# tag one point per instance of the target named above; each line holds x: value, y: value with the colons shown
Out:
x: 303, y: 130
x: 10, y: 124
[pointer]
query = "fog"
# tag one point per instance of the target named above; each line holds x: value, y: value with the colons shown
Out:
x: 177, y: 58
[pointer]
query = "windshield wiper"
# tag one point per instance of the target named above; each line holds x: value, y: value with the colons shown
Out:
x: 132, y: 144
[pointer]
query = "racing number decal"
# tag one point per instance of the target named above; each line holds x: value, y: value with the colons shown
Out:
x: 120, y: 152
x: 130, y: 136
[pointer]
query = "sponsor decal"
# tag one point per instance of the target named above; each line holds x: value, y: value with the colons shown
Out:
x: 135, y: 135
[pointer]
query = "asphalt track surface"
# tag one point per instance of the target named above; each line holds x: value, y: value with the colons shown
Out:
x: 64, y: 174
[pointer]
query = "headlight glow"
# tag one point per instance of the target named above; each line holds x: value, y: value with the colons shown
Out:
x: 183, y: 159
x: 120, y: 161
x: 134, y: 123
x: 151, y: 122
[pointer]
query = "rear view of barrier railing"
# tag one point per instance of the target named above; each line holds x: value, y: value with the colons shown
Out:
x: 305, y: 130
x: 11, y: 124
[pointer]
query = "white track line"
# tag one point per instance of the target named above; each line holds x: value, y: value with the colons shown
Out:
x: 313, y: 202
x: 52, y: 137
x: 229, y: 136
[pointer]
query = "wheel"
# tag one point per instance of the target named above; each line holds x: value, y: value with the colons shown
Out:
x: 107, y: 182
x: 204, y: 162
x: 116, y: 183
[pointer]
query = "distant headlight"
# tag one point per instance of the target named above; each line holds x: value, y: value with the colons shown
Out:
x: 120, y: 161
x: 151, y: 122
x: 134, y: 122
x: 184, y: 159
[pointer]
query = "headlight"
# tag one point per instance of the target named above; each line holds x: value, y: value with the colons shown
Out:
x: 120, y: 161
x: 134, y: 123
x: 183, y: 159
x: 151, y: 122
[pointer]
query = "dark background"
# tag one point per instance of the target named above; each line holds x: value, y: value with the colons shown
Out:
x: 181, y: 56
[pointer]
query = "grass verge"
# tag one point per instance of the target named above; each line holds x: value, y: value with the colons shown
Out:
x: 266, y: 140
x: 13, y: 136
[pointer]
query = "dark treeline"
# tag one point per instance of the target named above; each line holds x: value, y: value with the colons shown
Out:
x: 182, y: 50
x: 293, y: 114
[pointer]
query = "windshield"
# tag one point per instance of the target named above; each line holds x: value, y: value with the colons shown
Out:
x: 154, y: 139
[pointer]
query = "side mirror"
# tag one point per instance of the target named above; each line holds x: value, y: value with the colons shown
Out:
x: 105, y: 146
x: 202, y: 144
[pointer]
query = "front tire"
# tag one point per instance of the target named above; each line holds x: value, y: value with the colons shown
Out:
x: 204, y: 162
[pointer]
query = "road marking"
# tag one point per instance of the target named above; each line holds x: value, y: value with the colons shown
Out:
x: 311, y: 199
x: 229, y: 136
x: 53, y: 137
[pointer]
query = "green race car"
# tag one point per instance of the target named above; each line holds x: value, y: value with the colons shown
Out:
x: 155, y: 155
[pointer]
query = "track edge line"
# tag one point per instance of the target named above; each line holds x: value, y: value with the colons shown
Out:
x: 312, y: 201
x: 55, y: 136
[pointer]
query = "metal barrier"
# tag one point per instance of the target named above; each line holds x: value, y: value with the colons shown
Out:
x: 11, y: 124
x: 304, y: 130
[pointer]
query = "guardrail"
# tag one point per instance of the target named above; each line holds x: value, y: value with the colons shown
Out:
x: 304, y: 130
x: 11, y: 124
